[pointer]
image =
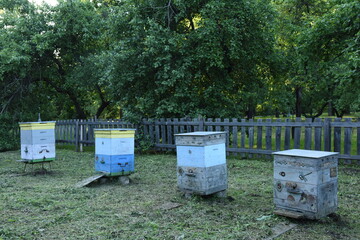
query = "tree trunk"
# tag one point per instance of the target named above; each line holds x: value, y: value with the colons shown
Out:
x: 330, y: 109
x: 298, y: 96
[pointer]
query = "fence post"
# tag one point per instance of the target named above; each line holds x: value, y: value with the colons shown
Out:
x: 317, y: 135
x: 201, y: 123
x: 81, y: 136
x: 337, y: 137
x: 327, y: 134
x: 77, y: 135
x: 308, y: 130
x: 287, y: 135
x: 347, y: 141
x: 278, y: 136
x: 297, y: 133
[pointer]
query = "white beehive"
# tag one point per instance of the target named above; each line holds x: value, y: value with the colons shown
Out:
x: 37, y: 141
x: 305, y: 183
x: 201, y: 162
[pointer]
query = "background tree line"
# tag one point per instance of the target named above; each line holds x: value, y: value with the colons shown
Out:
x: 175, y: 58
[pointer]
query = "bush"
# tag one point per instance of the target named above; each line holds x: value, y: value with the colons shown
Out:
x: 9, y: 133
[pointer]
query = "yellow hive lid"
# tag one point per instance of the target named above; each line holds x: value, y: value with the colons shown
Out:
x: 37, y: 125
x: 114, y: 133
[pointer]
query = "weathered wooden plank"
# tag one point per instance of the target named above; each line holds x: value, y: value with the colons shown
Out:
x: 337, y: 136
x: 157, y: 133
x: 163, y: 130
x: 327, y: 134
x: 278, y: 137
x: 347, y: 141
x: 317, y: 137
x: 182, y: 127
x: 201, y: 124
x: 308, y: 134
x: 189, y: 127
x: 226, y: 129
x: 287, y: 135
x: 77, y: 136
x: 243, y: 135
x: 251, y: 137
x: 195, y: 124
x: 89, y: 180
x: 81, y: 137
x: 259, y: 135
x: 297, y: 134
x: 152, y: 132
x: 176, y: 127
x: 234, y: 135
x: 169, y: 131
x: 268, y: 136
x: 217, y: 127
x: 209, y: 123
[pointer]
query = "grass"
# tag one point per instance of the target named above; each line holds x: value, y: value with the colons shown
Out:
x: 47, y: 206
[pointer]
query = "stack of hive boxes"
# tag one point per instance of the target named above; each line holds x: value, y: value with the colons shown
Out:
x: 114, y: 151
x: 201, y: 162
x: 37, y: 141
x: 305, y: 183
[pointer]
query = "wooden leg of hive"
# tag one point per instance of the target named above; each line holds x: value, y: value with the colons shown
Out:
x: 221, y: 194
x: 124, y: 180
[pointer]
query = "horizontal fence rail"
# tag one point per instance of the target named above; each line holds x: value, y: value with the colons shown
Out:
x: 247, y: 138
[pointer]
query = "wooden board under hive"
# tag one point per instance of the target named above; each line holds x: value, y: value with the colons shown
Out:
x: 201, y: 162
x: 305, y: 183
x: 114, y: 151
x: 37, y: 141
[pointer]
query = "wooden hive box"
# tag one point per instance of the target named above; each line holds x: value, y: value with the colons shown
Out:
x: 37, y: 141
x: 305, y: 183
x: 114, y: 151
x: 201, y: 162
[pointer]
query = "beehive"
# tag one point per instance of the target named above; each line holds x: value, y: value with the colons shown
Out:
x: 305, y: 183
x: 114, y: 151
x: 201, y: 162
x: 37, y: 141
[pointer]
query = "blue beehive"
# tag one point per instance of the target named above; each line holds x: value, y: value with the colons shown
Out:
x: 37, y: 141
x: 201, y: 162
x: 114, y: 151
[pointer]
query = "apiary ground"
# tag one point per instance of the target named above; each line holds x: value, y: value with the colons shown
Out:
x: 35, y: 205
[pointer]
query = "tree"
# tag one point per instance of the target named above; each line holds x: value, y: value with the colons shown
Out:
x: 54, y: 50
x: 192, y: 58
x: 332, y: 46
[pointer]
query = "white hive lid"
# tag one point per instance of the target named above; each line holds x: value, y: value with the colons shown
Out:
x: 305, y: 153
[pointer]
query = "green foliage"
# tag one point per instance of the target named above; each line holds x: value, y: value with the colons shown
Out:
x: 176, y: 59
x: 9, y: 134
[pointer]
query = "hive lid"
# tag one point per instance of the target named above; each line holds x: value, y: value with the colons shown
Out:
x: 199, y: 133
x: 305, y: 153
x: 114, y: 132
x: 37, y: 125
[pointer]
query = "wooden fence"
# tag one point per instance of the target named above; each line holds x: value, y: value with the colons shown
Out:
x: 247, y: 138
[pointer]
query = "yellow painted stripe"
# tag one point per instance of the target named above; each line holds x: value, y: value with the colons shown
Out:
x: 114, y: 134
x: 37, y: 125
